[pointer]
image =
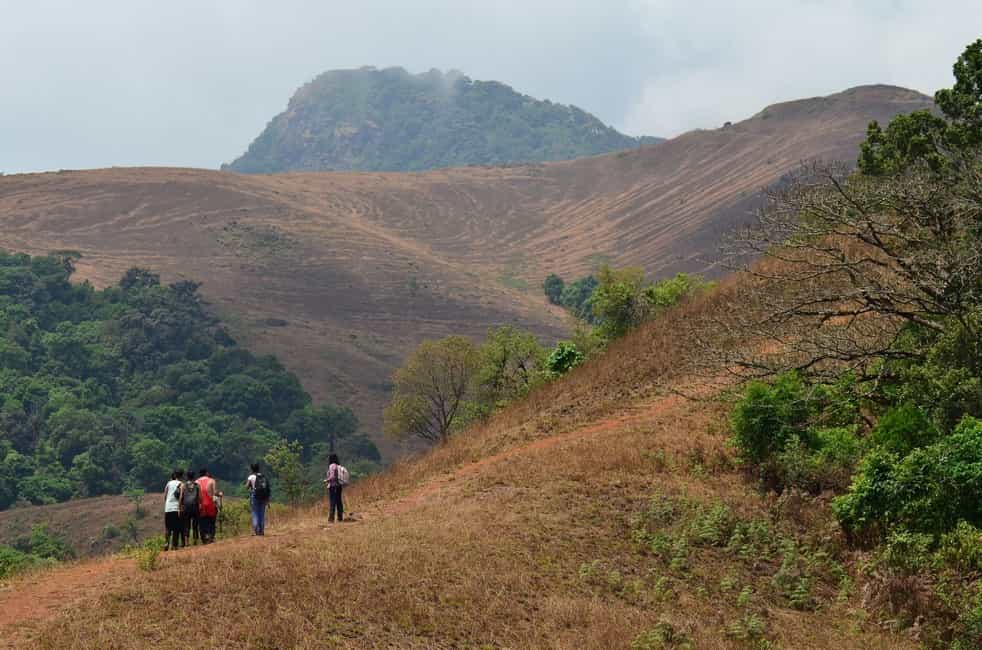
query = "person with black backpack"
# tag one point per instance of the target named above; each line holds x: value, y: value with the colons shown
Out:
x: 190, y: 502
x: 259, y: 495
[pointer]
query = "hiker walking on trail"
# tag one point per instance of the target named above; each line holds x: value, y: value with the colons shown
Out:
x: 337, y: 478
x: 259, y: 494
x: 190, y: 504
x: 172, y: 510
x: 207, y: 506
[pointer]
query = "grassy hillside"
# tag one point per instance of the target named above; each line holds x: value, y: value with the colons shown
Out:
x: 389, y: 120
x: 341, y: 274
x: 603, y: 511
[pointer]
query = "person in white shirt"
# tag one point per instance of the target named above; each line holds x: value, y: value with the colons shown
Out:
x: 173, y: 526
x: 259, y: 495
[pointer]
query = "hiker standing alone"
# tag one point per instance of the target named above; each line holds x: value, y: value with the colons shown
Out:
x: 173, y: 526
x: 337, y: 478
x: 259, y: 494
x: 207, y: 508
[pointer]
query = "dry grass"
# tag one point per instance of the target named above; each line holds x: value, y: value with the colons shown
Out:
x: 492, y: 554
x: 334, y: 256
x: 522, y: 533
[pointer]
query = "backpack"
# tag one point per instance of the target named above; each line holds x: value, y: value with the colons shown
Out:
x: 261, y: 488
x: 343, y: 476
x: 189, y: 502
x: 207, y: 507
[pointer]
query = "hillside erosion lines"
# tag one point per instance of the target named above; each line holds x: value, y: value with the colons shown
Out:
x: 363, y: 266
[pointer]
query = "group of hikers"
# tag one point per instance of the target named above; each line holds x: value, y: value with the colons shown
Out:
x: 192, y: 505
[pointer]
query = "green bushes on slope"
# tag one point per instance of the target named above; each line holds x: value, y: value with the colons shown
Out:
x: 109, y: 389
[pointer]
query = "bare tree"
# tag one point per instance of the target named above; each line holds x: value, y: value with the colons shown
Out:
x: 845, y: 263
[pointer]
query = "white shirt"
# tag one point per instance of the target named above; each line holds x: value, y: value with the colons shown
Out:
x: 251, y: 481
x: 172, y: 504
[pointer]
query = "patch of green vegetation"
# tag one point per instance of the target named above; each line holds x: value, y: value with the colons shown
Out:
x: 258, y: 243
x: 42, y: 548
x: 390, y: 120
x: 893, y: 430
x: 104, y: 390
x: 679, y: 534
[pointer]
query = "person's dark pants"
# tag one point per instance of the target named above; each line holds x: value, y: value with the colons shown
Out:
x: 206, y: 526
x: 258, y: 515
x: 196, y: 529
x: 174, y: 528
x: 334, y: 496
x: 190, y: 532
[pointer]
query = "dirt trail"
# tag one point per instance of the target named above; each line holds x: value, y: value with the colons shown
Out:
x: 29, y: 601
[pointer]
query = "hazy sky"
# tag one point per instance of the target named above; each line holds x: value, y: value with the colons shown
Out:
x: 192, y: 82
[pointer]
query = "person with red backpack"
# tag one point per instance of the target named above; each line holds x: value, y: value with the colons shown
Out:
x: 337, y: 478
x: 207, y: 508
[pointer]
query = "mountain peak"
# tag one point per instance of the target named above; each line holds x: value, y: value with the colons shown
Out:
x: 388, y: 119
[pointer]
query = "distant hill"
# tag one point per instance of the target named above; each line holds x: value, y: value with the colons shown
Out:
x: 390, y: 120
x: 341, y: 274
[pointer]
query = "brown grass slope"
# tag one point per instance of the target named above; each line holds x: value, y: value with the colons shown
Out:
x: 518, y: 534
x: 362, y: 266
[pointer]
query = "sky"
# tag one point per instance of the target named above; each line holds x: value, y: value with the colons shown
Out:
x: 191, y: 82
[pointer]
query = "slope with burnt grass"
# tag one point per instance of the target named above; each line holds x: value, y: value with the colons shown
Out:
x: 604, y: 511
x: 339, y: 274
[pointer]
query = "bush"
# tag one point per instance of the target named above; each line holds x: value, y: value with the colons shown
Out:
x: 928, y: 491
x: 553, y: 287
x: 769, y: 416
x: 13, y: 561
x: 903, y: 429
x: 827, y: 464
x: 110, y: 531
x: 563, y: 358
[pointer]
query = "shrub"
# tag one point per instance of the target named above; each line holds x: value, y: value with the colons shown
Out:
x: 563, y: 358
x: 110, y: 531
x: 553, y: 287
x: 769, y: 416
x: 903, y: 429
x: 930, y: 490
x: 827, y: 465
x: 13, y: 561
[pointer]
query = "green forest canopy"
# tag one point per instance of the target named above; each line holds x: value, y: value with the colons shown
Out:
x: 103, y: 390
x: 390, y: 120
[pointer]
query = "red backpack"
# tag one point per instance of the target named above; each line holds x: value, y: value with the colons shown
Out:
x: 207, y: 507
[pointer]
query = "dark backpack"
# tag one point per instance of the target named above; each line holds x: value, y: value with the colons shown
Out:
x: 190, y: 501
x: 261, y: 488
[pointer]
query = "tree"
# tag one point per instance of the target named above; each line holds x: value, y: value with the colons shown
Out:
x: 137, y: 278
x: 323, y: 424
x: 284, y: 459
x: 576, y: 297
x: 553, y: 287
x: 511, y: 364
x: 563, y: 358
x: 869, y: 269
x: 431, y: 389
x: 619, y: 302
